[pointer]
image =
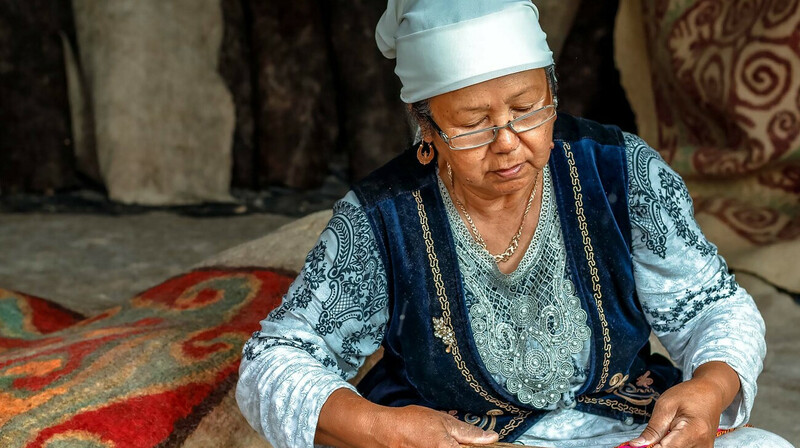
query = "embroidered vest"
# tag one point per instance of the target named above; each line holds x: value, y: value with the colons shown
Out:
x: 430, y: 358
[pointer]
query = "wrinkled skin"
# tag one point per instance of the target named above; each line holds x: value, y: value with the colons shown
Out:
x: 348, y: 420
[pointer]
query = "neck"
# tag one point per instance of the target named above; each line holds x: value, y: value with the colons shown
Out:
x: 487, y: 206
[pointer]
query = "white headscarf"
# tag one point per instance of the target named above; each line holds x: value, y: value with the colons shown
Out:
x: 445, y: 45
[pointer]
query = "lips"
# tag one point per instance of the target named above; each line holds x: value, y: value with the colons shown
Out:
x: 509, y: 172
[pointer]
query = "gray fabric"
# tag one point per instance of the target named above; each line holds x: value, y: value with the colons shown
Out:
x: 163, y: 119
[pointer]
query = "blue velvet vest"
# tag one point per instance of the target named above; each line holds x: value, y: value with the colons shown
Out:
x: 430, y: 358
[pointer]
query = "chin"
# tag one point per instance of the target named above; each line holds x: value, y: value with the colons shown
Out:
x: 507, y: 186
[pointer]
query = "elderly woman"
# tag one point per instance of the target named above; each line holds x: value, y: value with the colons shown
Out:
x: 512, y: 264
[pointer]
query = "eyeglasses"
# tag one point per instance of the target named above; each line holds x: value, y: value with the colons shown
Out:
x: 481, y: 137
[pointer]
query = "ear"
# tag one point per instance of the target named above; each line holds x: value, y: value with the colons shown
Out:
x: 425, y: 129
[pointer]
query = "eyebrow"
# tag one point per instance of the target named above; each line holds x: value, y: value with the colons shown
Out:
x: 524, y: 91
x: 517, y: 95
x: 474, y: 108
x: 509, y: 99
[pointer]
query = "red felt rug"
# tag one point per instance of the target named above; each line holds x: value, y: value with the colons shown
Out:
x: 139, y: 375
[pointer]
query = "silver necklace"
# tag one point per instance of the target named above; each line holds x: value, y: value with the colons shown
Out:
x: 514, y: 244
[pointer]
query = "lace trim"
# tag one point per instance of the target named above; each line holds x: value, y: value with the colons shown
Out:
x: 527, y: 325
x: 446, y: 325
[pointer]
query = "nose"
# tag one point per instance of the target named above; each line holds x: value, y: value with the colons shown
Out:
x: 506, y: 141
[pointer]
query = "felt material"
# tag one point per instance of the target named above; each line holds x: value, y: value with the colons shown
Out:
x: 778, y: 400
x: 140, y: 375
x: 436, y: 364
x: 25, y: 318
x: 719, y: 433
x: 160, y: 115
x: 721, y: 103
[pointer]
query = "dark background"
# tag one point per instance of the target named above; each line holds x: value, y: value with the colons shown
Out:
x: 317, y: 106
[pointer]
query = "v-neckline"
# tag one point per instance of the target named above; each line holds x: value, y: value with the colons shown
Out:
x: 461, y: 231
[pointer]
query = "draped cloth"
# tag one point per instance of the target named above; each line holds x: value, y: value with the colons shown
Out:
x: 722, y: 106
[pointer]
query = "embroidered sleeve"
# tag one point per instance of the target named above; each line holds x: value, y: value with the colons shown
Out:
x: 332, y: 317
x: 691, y: 301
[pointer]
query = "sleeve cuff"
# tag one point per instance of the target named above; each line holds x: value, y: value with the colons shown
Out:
x: 738, y: 412
x: 281, y: 393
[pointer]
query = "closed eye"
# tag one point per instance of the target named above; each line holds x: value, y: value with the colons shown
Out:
x: 474, y: 124
x: 524, y: 109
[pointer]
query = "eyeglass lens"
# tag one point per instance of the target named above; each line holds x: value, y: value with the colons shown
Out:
x: 486, y: 136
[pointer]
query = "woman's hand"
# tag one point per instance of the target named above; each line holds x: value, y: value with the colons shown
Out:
x: 348, y: 420
x: 417, y: 426
x: 687, y: 415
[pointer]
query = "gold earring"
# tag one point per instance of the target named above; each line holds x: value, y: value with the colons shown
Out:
x: 425, y: 152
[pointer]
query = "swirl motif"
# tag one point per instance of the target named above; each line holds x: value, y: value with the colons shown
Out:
x: 726, y: 85
x: 719, y: 162
x: 754, y: 218
x: 779, y: 12
x: 723, y: 73
x: 786, y: 179
x: 135, y: 358
x: 740, y: 17
x: 758, y: 225
x: 713, y: 86
x: 765, y: 77
x: 783, y: 128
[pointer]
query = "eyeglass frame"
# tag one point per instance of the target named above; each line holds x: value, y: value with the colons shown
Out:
x: 496, y: 129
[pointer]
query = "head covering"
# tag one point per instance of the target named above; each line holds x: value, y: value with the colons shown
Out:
x: 445, y: 45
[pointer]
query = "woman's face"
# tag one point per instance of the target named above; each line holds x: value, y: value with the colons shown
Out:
x: 511, y: 162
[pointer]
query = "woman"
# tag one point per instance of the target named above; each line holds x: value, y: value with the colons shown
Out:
x: 512, y: 265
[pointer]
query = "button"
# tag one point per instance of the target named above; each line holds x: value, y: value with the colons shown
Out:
x: 629, y: 420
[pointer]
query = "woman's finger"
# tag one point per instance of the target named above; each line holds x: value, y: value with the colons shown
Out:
x: 658, y: 426
x: 685, y: 438
x: 466, y: 433
x: 686, y: 435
